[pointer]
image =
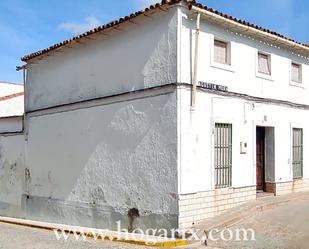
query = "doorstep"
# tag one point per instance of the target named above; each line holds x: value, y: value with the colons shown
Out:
x: 262, y: 194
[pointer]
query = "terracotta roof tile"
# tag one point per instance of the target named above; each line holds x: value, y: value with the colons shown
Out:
x: 190, y: 3
x: 11, y: 96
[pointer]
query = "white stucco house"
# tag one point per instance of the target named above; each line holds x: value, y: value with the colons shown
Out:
x: 179, y: 111
x: 11, y: 107
x: 11, y: 147
x: 12, y: 99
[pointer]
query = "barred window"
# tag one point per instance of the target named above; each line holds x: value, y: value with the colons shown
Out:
x: 223, y: 155
x: 297, y: 153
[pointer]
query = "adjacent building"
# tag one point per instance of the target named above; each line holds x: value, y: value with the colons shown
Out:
x: 11, y: 147
x: 179, y: 111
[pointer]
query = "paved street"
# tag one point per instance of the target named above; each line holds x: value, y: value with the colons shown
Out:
x: 19, y: 237
x: 283, y: 226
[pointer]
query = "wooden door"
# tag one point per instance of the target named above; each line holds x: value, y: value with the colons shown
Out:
x: 260, y: 158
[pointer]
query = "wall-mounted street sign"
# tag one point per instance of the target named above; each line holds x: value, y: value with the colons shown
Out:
x: 212, y: 86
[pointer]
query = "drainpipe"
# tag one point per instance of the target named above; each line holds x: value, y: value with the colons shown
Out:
x: 25, y: 97
x: 194, y: 78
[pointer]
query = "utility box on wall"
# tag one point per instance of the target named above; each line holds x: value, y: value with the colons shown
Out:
x: 243, y: 147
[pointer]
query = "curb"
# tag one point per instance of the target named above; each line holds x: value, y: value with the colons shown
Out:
x: 137, y: 239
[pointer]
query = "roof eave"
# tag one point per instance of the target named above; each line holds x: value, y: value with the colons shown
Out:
x: 158, y: 6
x: 249, y: 29
x: 197, y: 7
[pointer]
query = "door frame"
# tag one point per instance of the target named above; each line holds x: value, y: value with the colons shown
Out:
x: 263, y: 173
x: 255, y: 124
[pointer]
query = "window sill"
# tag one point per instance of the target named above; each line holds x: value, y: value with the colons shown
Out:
x: 264, y: 76
x: 224, y: 67
x: 223, y: 188
x: 297, y: 84
x: 297, y: 178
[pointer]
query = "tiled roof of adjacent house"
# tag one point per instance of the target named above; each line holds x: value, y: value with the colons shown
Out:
x: 11, y: 99
x: 11, y: 96
x: 190, y: 3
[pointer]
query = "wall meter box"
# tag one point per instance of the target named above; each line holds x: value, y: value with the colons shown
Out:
x: 243, y: 147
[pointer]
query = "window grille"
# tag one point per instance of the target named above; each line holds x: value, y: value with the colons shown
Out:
x: 297, y: 153
x: 223, y: 155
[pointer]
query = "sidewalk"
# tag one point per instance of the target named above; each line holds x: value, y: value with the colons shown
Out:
x: 241, y: 213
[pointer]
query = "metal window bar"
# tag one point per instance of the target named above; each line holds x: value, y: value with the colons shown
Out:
x: 223, y: 155
x: 297, y: 153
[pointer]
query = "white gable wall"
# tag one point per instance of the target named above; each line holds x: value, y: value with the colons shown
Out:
x: 89, y: 165
x: 136, y: 56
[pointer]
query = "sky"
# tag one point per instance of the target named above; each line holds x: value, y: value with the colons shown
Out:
x: 29, y: 25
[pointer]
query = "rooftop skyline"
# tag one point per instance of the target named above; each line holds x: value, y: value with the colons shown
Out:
x: 28, y: 26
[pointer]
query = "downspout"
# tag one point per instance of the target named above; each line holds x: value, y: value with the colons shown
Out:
x: 196, y: 50
x: 24, y: 85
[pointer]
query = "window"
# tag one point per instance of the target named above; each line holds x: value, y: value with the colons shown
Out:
x: 264, y: 63
x: 297, y: 153
x: 223, y: 155
x: 222, y: 52
x: 296, y: 72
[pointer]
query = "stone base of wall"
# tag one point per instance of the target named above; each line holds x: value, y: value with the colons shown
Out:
x: 193, y: 208
x: 270, y: 187
x: 294, y: 186
x: 101, y: 216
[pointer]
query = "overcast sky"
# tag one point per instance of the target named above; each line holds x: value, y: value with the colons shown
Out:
x: 29, y: 25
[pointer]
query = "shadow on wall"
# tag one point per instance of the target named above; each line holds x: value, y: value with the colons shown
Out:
x: 90, y: 166
x: 105, y: 66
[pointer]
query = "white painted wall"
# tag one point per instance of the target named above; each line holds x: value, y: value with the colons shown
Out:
x: 139, y: 56
x: 195, y: 136
x: 11, y: 174
x: 11, y: 124
x: 12, y: 107
x: 102, y: 160
x: 12, y: 150
x: 241, y: 76
x: 196, y: 147
x: 89, y: 164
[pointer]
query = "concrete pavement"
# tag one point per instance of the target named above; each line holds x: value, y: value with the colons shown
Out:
x: 278, y: 222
